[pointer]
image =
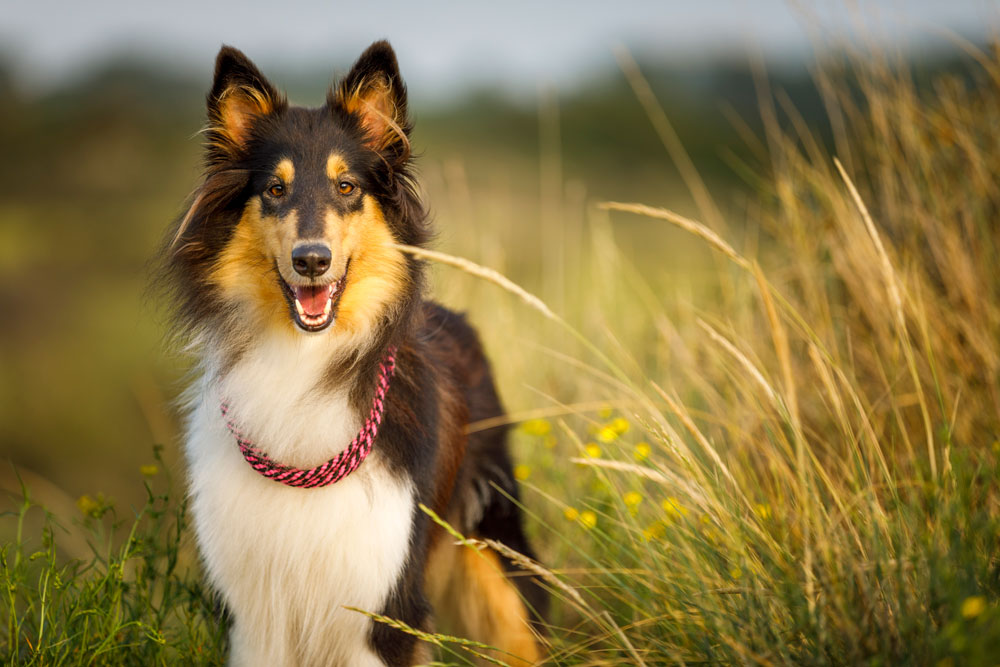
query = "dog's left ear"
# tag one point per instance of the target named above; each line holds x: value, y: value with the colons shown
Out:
x: 374, y: 92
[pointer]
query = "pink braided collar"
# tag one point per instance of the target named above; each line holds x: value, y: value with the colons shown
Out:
x: 341, y: 465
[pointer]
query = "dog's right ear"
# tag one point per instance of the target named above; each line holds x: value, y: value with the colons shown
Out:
x: 240, y: 97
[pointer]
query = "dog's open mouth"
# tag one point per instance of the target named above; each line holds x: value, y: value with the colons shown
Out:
x: 314, y: 307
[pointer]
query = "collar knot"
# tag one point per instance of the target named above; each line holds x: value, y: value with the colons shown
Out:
x: 341, y: 465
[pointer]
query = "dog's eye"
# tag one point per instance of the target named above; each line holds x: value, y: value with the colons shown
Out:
x: 345, y: 187
x: 276, y: 190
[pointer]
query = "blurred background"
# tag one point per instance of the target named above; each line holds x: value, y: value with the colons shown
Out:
x: 527, y: 114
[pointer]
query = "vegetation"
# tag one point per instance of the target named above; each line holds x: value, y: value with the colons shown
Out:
x: 784, y: 449
x: 134, y: 600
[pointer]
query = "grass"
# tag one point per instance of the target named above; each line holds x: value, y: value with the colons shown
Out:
x: 789, y: 457
x: 133, y: 600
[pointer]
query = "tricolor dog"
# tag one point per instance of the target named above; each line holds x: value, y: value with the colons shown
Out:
x: 331, y: 398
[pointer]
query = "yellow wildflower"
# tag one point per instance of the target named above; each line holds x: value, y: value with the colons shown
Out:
x: 571, y: 514
x: 632, y: 500
x: 592, y: 450
x: 149, y: 470
x: 735, y: 572
x: 522, y: 472
x: 620, y: 425
x: 588, y: 519
x: 763, y: 510
x: 973, y: 606
x: 654, y: 531
x: 606, y: 434
x: 641, y: 452
x: 673, y: 508
x: 537, y: 427
x: 88, y: 506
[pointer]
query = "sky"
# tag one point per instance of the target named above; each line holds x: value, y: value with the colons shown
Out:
x: 444, y: 47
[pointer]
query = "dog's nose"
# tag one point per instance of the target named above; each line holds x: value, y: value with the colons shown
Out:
x: 311, y: 260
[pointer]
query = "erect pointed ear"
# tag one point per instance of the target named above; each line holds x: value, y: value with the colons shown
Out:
x: 374, y: 91
x: 240, y: 96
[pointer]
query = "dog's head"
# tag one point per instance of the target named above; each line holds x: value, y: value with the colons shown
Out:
x: 295, y: 222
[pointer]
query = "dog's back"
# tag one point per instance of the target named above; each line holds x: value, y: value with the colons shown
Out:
x: 464, y: 584
x: 471, y: 486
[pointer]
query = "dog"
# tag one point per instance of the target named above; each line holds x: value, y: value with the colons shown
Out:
x: 331, y: 399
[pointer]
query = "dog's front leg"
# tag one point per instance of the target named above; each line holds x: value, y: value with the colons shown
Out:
x: 255, y: 649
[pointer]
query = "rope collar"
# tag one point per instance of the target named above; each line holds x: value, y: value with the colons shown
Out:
x: 341, y: 465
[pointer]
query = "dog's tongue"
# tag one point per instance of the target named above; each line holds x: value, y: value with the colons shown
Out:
x: 313, y: 298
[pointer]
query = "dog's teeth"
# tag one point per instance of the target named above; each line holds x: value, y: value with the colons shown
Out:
x: 328, y: 308
x: 298, y: 307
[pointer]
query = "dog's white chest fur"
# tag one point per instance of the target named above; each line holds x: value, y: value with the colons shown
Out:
x: 287, y: 561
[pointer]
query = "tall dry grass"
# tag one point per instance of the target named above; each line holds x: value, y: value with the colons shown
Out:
x: 796, y: 461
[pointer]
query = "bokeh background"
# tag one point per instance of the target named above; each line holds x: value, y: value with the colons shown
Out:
x: 525, y: 117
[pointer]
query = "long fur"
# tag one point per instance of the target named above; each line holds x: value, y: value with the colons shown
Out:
x: 287, y: 561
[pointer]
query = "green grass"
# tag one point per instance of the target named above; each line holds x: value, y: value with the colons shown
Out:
x: 785, y: 453
x: 135, y: 600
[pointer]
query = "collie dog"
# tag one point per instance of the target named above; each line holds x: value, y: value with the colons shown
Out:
x: 331, y: 399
